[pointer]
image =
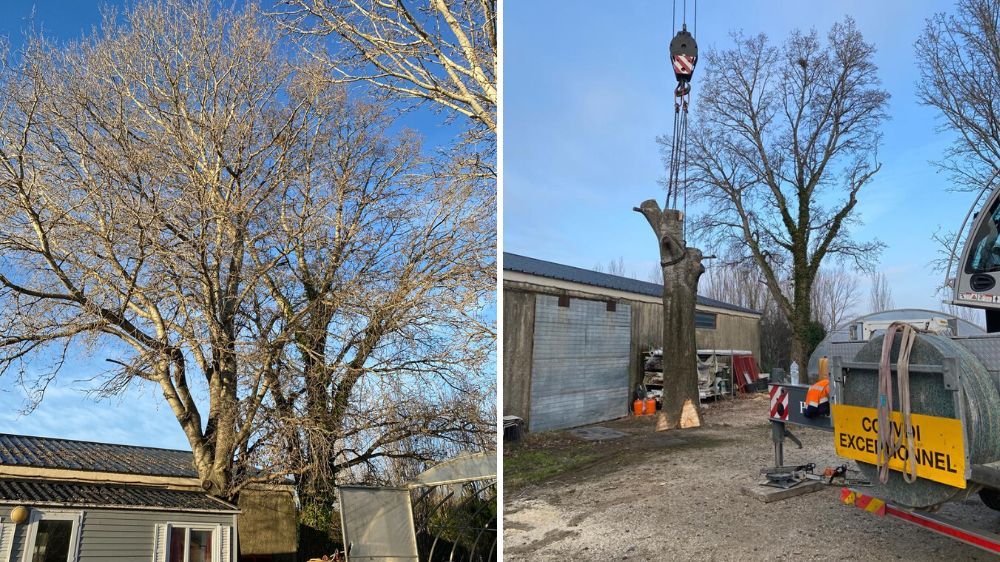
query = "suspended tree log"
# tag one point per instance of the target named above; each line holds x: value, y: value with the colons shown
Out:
x: 681, y: 270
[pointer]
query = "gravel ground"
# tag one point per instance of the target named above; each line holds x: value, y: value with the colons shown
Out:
x: 677, y: 495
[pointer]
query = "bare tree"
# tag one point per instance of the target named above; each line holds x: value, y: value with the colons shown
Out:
x: 178, y: 197
x: 384, y: 297
x: 134, y: 171
x: 975, y: 315
x: 441, y: 51
x: 880, y: 293
x: 655, y: 274
x: 775, y: 339
x: 736, y: 283
x: 959, y: 60
x: 784, y: 142
x: 730, y: 280
x: 835, y: 296
x: 614, y: 267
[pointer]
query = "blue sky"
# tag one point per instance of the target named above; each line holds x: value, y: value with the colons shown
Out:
x: 138, y: 416
x: 588, y: 87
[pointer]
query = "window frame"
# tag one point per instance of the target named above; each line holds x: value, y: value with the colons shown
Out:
x: 38, y: 514
x: 713, y: 315
x: 975, y: 240
x: 8, y: 546
x: 215, y: 529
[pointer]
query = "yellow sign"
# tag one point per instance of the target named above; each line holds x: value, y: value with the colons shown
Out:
x: 939, y: 443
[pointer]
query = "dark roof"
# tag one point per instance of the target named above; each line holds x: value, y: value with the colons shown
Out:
x: 106, y: 495
x: 552, y: 270
x: 48, y: 452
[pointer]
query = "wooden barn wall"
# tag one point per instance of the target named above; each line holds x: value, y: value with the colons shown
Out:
x: 731, y: 332
x: 518, y: 341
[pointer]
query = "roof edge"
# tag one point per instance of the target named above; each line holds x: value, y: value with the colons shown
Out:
x: 122, y: 507
x: 224, y: 506
x: 66, y: 440
x: 622, y: 285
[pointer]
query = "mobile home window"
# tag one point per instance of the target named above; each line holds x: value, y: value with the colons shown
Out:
x: 192, y: 542
x: 704, y: 320
x: 190, y: 545
x: 52, y: 541
x: 52, y: 536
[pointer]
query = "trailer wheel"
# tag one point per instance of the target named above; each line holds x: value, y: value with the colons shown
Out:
x: 991, y: 497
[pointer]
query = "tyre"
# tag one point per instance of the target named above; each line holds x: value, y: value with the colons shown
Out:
x: 991, y: 497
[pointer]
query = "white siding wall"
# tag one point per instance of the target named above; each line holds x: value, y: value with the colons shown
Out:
x: 116, y: 535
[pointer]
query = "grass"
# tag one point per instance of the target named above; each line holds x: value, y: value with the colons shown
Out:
x: 528, y: 466
x: 548, y: 455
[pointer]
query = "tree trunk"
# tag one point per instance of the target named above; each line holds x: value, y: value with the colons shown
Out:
x: 681, y: 270
x: 800, y: 319
x: 799, y: 328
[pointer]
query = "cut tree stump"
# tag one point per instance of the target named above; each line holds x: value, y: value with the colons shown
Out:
x: 681, y: 270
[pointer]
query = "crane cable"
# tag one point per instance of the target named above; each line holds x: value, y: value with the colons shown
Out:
x: 887, y: 441
x: 684, y: 57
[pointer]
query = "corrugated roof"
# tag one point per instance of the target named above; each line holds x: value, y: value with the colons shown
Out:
x: 106, y: 495
x: 552, y: 270
x: 48, y: 452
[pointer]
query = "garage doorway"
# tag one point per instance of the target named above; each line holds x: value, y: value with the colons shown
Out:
x: 579, y: 372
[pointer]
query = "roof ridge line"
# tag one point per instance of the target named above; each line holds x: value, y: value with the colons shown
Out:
x: 64, y: 439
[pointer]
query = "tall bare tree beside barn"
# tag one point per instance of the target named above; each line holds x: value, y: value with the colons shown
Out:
x: 783, y: 143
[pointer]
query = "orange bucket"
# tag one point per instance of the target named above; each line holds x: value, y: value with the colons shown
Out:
x: 637, y: 408
x: 650, y: 408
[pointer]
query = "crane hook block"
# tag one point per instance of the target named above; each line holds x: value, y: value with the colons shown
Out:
x: 683, y: 55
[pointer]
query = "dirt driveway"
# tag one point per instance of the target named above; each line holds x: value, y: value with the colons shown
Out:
x: 677, y: 496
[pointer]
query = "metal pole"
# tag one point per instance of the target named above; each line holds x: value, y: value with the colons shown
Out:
x: 778, y: 436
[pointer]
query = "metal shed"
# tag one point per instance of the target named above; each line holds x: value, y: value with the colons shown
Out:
x: 573, y: 339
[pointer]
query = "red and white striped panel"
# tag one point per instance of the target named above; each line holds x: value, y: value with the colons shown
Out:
x: 684, y: 64
x: 779, y: 403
